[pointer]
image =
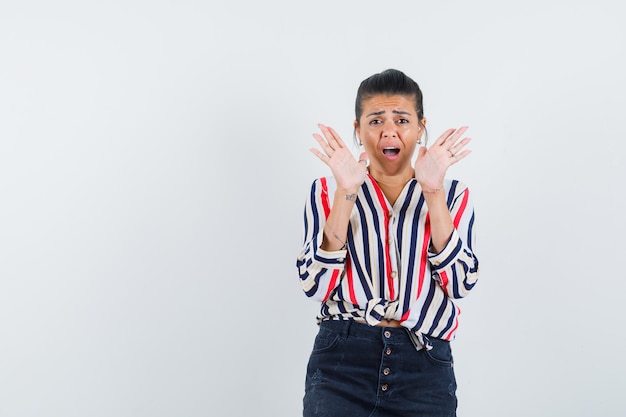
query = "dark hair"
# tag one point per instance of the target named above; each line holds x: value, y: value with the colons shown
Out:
x: 389, y: 82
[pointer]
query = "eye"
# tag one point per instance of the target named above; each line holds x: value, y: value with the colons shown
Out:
x: 375, y: 122
x: 403, y: 121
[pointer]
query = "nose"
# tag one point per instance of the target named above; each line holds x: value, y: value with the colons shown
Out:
x: 389, y: 130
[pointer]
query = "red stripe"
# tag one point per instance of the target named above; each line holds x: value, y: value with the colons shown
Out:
x: 383, y: 204
x: 456, y: 324
x: 405, y: 315
x: 348, y: 270
x: 424, y: 257
x: 457, y: 218
x: 444, y: 281
x: 326, y: 206
x: 325, y: 202
x: 392, y: 295
x: 331, y: 285
x: 379, y: 192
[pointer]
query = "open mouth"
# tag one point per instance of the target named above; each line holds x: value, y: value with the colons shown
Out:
x: 391, y: 151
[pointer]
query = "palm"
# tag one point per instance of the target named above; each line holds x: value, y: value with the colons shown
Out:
x: 432, y: 164
x: 348, y: 172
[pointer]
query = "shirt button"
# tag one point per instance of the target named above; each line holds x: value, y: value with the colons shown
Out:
x: 386, y: 371
x: 389, y: 241
x: 388, y: 351
x: 390, y: 214
x: 384, y: 387
x: 387, y: 334
x: 340, y: 259
x: 394, y: 273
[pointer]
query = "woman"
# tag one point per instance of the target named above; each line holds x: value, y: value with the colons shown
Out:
x: 388, y: 246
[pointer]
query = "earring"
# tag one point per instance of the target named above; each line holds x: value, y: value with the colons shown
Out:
x: 419, y: 141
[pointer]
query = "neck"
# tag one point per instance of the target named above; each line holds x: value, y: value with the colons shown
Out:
x: 398, y: 179
x: 392, y: 185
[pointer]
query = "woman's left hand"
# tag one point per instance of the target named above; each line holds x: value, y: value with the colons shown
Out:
x: 432, y: 163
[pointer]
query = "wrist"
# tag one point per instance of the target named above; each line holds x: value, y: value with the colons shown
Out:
x: 432, y: 190
x: 348, y: 194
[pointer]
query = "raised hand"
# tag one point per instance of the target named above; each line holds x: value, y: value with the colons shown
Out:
x: 348, y: 172
x: 432, y: 163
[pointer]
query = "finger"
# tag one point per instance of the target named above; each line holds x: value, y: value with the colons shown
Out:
x: 337, y: 137
x: 320, y: 155
x: 444, y: 137
x: 453, y: 138
x: 363, y: 158
x: 459, y: 145
x: 331, y: 136
x: 460, y: 156
x: 325, y: 146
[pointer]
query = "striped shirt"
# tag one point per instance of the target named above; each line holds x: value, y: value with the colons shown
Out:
x: 388, y: 269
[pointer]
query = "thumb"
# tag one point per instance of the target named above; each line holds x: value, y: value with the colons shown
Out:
x: 421, y: 151
x: 363, y: 157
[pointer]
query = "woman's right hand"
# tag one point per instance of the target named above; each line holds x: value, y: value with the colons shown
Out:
x: 348, y: 172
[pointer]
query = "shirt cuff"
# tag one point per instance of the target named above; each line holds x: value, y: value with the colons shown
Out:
x: 329, y: 259
x: 442, y: 259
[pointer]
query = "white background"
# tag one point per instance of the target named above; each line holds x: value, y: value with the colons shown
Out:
x: 154, y: 164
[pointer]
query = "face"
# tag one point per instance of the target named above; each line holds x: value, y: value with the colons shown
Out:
x: 389, y: 130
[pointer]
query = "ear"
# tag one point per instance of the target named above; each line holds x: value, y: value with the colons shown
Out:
x: 422, y: 129
x: 356, y: 126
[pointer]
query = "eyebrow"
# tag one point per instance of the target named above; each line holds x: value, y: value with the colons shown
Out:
x: 378, y: 113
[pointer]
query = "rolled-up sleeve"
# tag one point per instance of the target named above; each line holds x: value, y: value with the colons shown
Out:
x: 455, y: 267
x: 319, y: 270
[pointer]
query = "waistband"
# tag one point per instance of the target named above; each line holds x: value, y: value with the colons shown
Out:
x: 356, y: 329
